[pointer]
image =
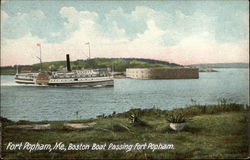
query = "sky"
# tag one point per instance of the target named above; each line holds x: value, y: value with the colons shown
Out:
x: 183, y: 32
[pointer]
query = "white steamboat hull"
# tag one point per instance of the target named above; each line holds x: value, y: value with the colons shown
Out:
x: 82, y: 82
x: 68, y: 80
x: 22, y: 81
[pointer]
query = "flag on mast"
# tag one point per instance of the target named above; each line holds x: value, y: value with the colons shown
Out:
x: 89, y: 48
x: 38, y: 45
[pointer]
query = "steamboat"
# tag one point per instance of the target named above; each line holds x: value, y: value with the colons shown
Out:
x: 85, y: 78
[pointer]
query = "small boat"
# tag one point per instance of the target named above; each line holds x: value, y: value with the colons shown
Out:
x: 26, y: 78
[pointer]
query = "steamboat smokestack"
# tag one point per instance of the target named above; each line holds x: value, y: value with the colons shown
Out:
x: 68, y: 63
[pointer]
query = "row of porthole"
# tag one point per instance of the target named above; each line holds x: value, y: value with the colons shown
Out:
x: 67, y: 81
x: 70, y: 76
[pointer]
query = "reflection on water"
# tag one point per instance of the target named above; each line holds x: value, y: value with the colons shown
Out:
x: 37, y: 103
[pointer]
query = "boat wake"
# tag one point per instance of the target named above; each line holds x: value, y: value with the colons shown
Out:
x: 9, y: 84
x: 98, y: 86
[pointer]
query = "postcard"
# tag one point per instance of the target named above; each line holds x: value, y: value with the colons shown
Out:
x: 123, y: 79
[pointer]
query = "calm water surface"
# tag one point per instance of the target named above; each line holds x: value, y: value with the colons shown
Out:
x: 38, y: 103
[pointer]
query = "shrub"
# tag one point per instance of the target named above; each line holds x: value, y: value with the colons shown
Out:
x: 136, y: 121
x: 176, y: 117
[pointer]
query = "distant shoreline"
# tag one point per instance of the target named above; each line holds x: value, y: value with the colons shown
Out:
x: 201, y: 70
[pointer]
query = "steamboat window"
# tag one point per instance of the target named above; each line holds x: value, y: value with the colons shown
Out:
x: 75, y: 79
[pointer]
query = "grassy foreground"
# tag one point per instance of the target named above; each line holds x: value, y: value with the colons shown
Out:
x: 219, y: 131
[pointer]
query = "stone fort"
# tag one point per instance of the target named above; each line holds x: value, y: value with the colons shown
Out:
x: 162, y: 73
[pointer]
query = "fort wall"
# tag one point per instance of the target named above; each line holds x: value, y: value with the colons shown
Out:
x: 166, y: 73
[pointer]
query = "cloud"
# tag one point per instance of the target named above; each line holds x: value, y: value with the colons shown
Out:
x: 23, y: 23
x: 152, y: 35
x: 19, y: 51
x: 143, y: 32
x: 74, y: 17
x: 24, y: 50
x: 204, y: 49
x: 3, y: 1
x: 89, y: 28
x: 132, y: 23
x: 4, y: 17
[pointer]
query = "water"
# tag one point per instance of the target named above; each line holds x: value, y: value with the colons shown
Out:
x: 38, y: 103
